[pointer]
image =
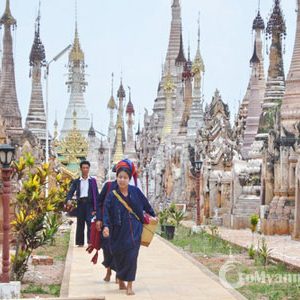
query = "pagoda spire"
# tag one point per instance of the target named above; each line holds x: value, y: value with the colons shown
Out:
x: 112, y: 106
x: 36, y: 118
x: 290, y: 109
x: 120, y: 131
x: 256, y: 88
x: 187, y: 78
x: 129, y: 146
x: 76, y: 86
x: 196, y: 112
x: 10, y: 110
x: 174, y: 39
x: 92, y: 132
x: 275, y: 86
x: 121, y: 95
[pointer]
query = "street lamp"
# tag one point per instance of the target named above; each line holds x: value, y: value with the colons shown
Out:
x: 198, y: 167
x: 6, y: 157
x: 47, y: 97
x: 47, y: 100
x: 109, y: 152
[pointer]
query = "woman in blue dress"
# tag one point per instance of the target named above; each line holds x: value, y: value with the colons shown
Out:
x: 108, y: 262
x: 124, y: 227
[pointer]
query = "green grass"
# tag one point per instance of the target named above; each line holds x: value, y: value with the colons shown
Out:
x: 203, y: 243
x: 52, y: 289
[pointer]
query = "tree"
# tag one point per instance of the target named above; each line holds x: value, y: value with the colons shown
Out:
x: 37, y: 216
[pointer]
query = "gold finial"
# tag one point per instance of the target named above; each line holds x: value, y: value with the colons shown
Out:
x: 198, y: 64
x: 7, y: 18
x: 76, y: 53
x: 112, y: 103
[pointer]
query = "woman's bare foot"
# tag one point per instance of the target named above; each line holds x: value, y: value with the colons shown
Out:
x: 130, y: 291
x: 108, y: 275
x: 122, y: 285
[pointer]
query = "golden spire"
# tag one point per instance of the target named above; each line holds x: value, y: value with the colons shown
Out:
x: 76, y: 53
x: 198, y: 64
x: 7, y: 18
x: 112, y: 103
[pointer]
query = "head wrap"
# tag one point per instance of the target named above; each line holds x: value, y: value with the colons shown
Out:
x: 129, y: 167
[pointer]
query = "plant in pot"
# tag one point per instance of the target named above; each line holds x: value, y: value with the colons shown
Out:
x: 163, y: 217
x: 170, y: 228
x: 178, y: 216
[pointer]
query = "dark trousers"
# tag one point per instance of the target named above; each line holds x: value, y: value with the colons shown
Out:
x: 84, y: 216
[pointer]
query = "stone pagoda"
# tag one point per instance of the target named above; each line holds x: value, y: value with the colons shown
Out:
x: 10, y: 111
x: 36, y: 118
x: 256, y: 88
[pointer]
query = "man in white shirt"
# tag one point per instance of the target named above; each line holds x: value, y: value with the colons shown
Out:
x: 87, y: 200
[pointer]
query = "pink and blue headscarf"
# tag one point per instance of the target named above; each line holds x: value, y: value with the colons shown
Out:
x: 127, y: 166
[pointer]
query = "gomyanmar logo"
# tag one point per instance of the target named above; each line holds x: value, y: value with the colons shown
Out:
x: 232, y: 277
x: 230, y: 274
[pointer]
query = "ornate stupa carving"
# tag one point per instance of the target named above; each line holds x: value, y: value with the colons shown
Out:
x: 72, y: 149
x: 256, y: 89
x: 169, y: 88
x: 36, y: 117
x: 76, y: 86
x: 10, y: 110
x: 275, y: 86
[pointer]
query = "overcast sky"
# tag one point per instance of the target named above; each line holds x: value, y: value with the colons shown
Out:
x: 131, y: 36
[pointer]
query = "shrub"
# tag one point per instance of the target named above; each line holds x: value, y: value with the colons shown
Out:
x: 37, y: 216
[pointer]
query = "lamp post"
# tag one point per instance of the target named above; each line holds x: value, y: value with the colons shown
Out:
x: 60, y: 54
x: 47, y: 110
x: 109, y: 152
x: 6, y: 156
x: 198, y: 167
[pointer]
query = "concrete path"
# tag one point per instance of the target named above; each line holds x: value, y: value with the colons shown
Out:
x: 163, y: 273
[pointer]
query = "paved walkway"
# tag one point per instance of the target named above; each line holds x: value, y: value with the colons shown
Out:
x: 283, y: 247
x: 163, y: 273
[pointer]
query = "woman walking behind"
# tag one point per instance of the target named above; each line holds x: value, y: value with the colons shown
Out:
x: 108, y: 262
x: 123, y: 223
